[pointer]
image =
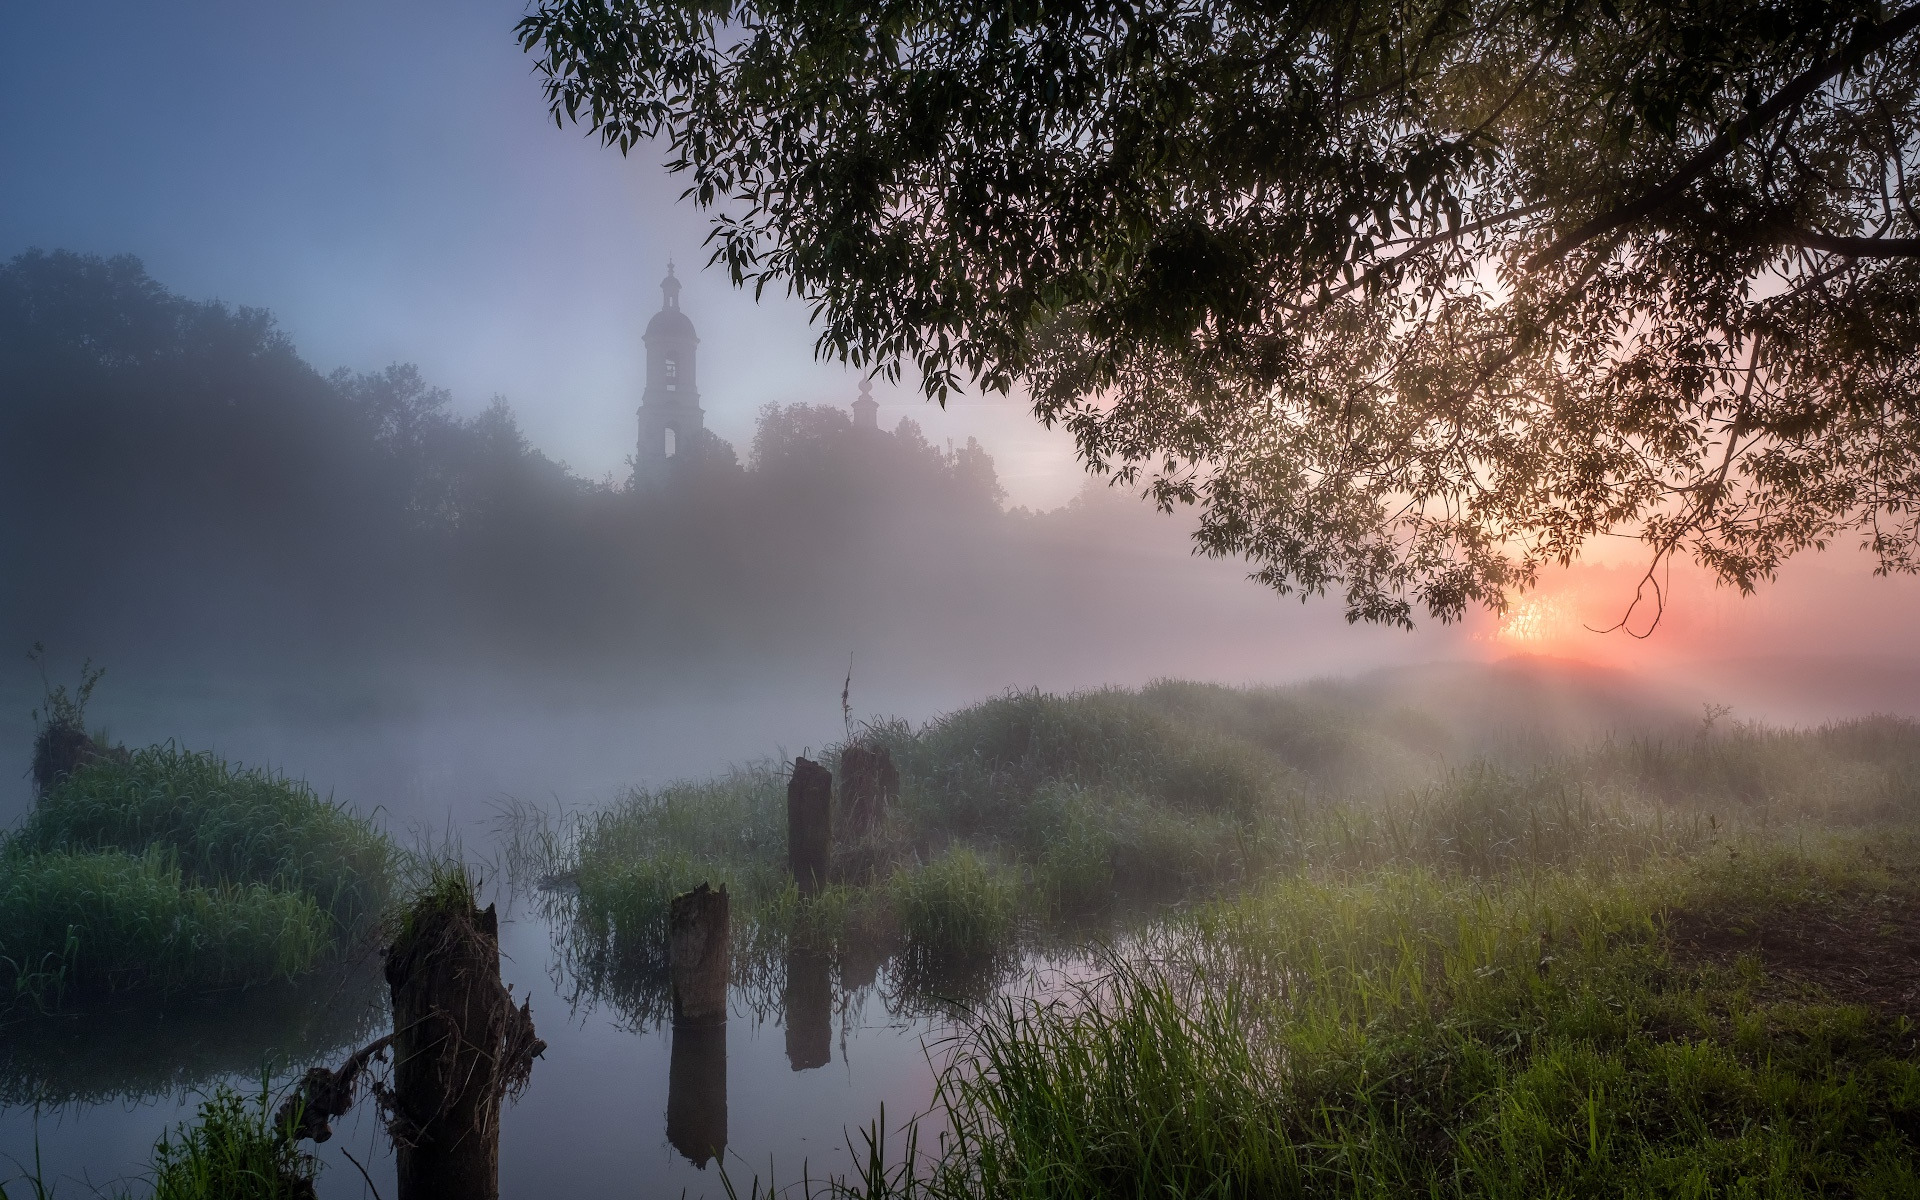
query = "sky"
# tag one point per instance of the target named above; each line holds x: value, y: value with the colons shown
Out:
x: 386, y: 179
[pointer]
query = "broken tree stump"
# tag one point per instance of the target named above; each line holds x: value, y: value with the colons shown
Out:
x: 459, y: 1048
x: 869, y: 785
x: 700, y: 953
x: 809, y: 824
x: 697, y: 1092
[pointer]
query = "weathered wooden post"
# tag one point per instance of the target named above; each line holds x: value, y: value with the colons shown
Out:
x: 697, y: 1092
x: 459, y: 1048
x: 808, y: 1001
x: 869, y: 784
x: 809, y: 824
x: 700, y: 952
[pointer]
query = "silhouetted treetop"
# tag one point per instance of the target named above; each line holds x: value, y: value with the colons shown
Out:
x: 1411, y: 299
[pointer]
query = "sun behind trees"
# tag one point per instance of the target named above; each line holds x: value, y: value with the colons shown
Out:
x: 1411, y: 300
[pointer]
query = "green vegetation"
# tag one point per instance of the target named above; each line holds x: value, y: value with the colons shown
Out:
x: 232, y: 1151
x: 1033, y: 816
x: 167, y: 872
x: 225, y: 823
x: 114, y: 922
x: 1555, y: 1031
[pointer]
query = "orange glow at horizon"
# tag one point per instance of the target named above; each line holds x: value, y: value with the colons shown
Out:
x: 1530, y: 621
x: 1823, y: 605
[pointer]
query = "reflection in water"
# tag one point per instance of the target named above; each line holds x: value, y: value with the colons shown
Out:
x: 809, y: 1008
x: 697, y: 1092
x: 151, y: 1051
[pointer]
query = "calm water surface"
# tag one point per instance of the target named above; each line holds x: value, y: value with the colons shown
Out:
x: 780, y: 1091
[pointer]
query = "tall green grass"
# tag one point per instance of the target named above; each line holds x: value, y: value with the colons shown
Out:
x: 1407, y: 1032
x: 232, y: 1151
x: 108, y: 922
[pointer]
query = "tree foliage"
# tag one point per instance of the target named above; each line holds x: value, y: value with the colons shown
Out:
x: 1411, y: 297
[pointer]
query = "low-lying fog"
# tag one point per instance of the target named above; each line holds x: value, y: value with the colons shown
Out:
x: 340, y: 577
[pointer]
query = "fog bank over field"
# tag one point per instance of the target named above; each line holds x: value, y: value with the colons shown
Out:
x: 339, y: 576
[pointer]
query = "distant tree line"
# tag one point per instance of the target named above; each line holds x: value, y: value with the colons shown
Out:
x: 181, y: 492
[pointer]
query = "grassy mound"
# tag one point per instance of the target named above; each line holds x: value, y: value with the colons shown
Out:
x: 225, y: 824
x: 168, y: 872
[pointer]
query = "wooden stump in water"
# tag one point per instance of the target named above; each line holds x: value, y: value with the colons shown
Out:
x: 808, y: 1001
x: 697, y: 1092
x: 869, y: 784
x: 459, y: 1048
x: 699, y: 944
x: 809, y: 824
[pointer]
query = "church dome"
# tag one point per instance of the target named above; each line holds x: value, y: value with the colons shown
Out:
x: 670, y: 323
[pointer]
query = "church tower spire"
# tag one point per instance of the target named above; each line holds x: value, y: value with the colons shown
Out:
x: 671, y: 419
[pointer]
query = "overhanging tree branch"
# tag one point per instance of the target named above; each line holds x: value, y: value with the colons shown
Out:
x: 1870, y: 42
x: 1853, y: 247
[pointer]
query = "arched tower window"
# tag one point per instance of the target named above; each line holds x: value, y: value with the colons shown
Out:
x: 673, y: 375
x: 669, y: 445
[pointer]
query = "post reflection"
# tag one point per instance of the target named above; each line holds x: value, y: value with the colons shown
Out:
x: 697, y: 1092
x: 809, y: 1009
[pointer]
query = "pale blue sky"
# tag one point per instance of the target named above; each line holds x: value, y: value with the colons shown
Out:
x: 385, y: 178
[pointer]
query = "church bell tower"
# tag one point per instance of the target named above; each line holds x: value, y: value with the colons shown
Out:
x: 671, y: 420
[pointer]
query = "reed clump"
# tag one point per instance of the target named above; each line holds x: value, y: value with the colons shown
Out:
x: 225, y: 824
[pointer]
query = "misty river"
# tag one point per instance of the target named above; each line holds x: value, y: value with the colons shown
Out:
x: 797, y: 1073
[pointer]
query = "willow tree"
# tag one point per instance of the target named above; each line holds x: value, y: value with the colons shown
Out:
x: 1411, y: 298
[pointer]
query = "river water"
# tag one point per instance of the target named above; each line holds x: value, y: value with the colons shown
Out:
x: 615, y: 1108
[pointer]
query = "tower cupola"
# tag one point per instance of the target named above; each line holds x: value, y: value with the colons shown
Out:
x: 671, y: 419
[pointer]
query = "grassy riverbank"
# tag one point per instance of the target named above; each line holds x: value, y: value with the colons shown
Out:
x: 1737, y: 1020
x: 1032, y: 816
